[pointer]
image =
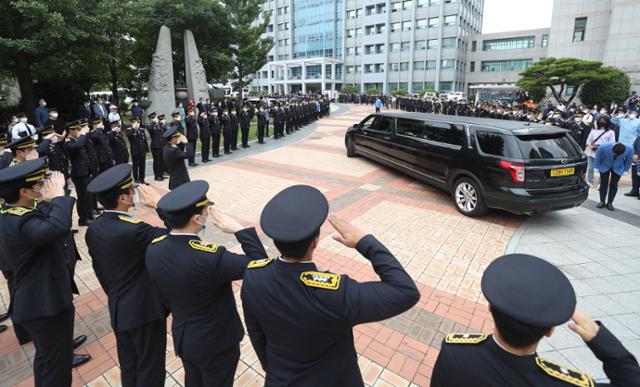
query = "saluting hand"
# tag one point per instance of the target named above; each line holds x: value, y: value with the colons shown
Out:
x: 584, y: 326
x: 149, y: 196
x: 348, y: 234
x: 53, y: 187
x: 224, y: 221
x: 33, y: 155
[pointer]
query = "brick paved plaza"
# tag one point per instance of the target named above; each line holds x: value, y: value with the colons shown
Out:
x: 442, y: 250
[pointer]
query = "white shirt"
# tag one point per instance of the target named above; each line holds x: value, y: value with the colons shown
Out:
x: 22, y: 129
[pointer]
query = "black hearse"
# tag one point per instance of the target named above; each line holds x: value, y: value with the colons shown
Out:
x: 484, y: 163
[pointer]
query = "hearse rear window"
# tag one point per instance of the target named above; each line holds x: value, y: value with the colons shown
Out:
x: 496, y: 144
x: 547, y: 146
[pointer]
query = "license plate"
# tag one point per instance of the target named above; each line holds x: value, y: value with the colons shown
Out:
x: 562, y: 172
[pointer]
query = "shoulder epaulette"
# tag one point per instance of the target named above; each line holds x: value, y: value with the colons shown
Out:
x: 18, y: 211
x: 259, y: 263
x: 465, y: 338
x: 321, y: 280
x: 569, y: 375
x: 158, y: 239
x: 203, y: 246
x: 129, y: 219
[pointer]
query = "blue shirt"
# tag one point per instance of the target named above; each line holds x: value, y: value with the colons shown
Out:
x: 606, y: 162
x: 629, y: 129
x: 378, y: 103
x: 42, y: 114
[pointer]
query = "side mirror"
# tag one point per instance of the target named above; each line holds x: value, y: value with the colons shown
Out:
x: 357, y: 126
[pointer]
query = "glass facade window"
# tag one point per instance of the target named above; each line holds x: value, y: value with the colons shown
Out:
x: 508, y: 43
x: 472, y: 67
x: 434, y: 22
x: 394, y: 67
x: 449, y: 42
x: 318, y: 28
x: 421, y: 24
x: 405, y: 46
x: 407, y: 4
x: 350, y: 51
x: 406, y: 26
x: 379, y: 68
x: 397, y: 6
x: 544, y: 42
x: 421, y: 45
x: 351, y: 14
x: 358, y: 31
x: 446, y: 86
x: 368, y: 86
x: 579, y: 29
x: 422, y: 3
x: 380, y: 28
x: 392, y: 86
x: 417, y: 87
x: 394, y: 47
x: 448, y: 64
x: 404, y: 66
x: 434, y: 2
x: 395, y: 27
x: 403, y: 85
x: 358, y: 51
x: 429, y: 85
x: 351, y: 33
x: 505, y: 65
x: 368, y: 68
x: 432, y: 43
x: 418, y: 66
x: 450, y: 20
x: 431, y: 65
x: 474, y: 44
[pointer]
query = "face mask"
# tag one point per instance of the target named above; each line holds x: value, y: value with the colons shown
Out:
x: 203, y: 226
x: 36, y: 200
x: 23, y: 119
x: 44, y: 104
x: 54, y: 115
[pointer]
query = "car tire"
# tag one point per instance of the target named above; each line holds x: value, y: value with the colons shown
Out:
x: 351, y: 151
x: 467, y: 197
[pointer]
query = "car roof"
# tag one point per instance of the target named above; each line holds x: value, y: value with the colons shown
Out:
x: 520, y: 128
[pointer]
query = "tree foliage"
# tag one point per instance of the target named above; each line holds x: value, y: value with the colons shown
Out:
x: 557, y: 74
x: 615, y: 87
x: 249, y: 49
x: 349, y: 90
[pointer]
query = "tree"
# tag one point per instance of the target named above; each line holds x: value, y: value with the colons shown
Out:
x: 349, y: 90
x: 373, y: 90
x: 602, y: 92
x: 557, y: 74
x: 33, y: 31
x: 399, y: 92
x: 249, y: 48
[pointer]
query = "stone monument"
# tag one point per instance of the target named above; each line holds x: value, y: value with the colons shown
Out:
x: 161, y: 89
x: 196, y: 77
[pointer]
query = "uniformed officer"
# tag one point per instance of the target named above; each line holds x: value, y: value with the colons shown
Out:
x: 192, y: 135
x: 120, y: 152
x: 163, y: 126
x: 139, y: 149
x: 157, y: 142
x: 308, y: 340
x: 22, y: 149
x: 117, y: 244
x: 225, y: 124
x: 206, y: 326
x: 245, y: 123
x: 215, y: 130
x: 177, y: 122
x: 205, y: 135
x: 31, y: 241
x: 174, y: 155
x: 5, y: 154
x: 101, y: 145
x: 233, y: 122
x: 262, y: 124
x: 75, y: 146
x: 528, y: 297
x: 53, y: 148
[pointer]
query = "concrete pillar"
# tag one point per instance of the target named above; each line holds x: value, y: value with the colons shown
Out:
x: 322, y: 77
x: 161, y: 90
x: 194, y: 70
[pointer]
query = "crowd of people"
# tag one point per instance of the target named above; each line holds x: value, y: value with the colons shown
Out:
x: 299, y: 319
x: 83, y: 148
x: 590, y: 127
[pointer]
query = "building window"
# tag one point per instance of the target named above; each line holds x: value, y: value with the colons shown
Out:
x: 270, y: 28
x: 407, y: 4
x: 368, y: 49
x: 569, y: 91
x: 505, y: 65
x: 394, y: 47
x: 406, y: 26
x: 270, y: 58
x: 423, y: 3
x: 395, y: 7
x: 421, y: 45
x: 448, y: 64
x: 429, y: 85
x: 579, y: 28
x: 446, y: 86
x: 351, y: 14
x: 393, y: 67
x: 358, y: 51
x: 395, y: 27
x: 417, y: 87
x: 449, y: 43
x: 418, y: 65
x: 358, y: 31
x: 380, y: 28
x: 379, y: 68
x: 351, y: 33
x: 472, y: 67
x: 450, y: 20
x: 545, y: 40
x: 358, y: 12
x: 432, y: 43
x: 404, y: 66
x: 434, y: 2
x: 473, y: 45
x: 421, y: 24
x: 405, y: 46
x: 508, y: 43
x: 431, y: 65
x: 370, y: 10
x: 434, y: 22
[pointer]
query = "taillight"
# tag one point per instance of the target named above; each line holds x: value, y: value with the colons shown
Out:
x: 516, y: 170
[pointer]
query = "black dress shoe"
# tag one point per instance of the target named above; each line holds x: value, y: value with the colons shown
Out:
x: 216, y: 156
x: 78, y: 341
x: 610, y: 207
x: 79, y: 360
x: 227, y: 153
x: 632, y: 194
x: 3, y: 328
x: 248, y: 146
x: 600, y: 205
x: 4, y: 316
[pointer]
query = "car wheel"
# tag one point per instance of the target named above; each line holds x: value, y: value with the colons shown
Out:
x: 351, y: 151
x: 467, y: 197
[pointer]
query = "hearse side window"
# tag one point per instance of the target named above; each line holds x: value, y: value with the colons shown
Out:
x: 445, y: 133
x: 385, y: 124
x: 412, y: 128
x: 369, y: 122
x: 491, y: 143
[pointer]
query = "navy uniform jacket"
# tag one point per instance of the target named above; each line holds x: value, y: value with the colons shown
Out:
x: 57, y: 157
x: 101, y: 143
x: 174, y: 156
x: 245, y: 119
x: 138, y: 141
x: 119, y: 150
x: 5, y: 159
x: 214, y: 125
x: 203, y: 123
x: 192, y: 128
x: 300, y: 321
x: 477, y: 360
x: 117, y: 244
x: 195, y: 278
x: 76, y: 149
x: 35, y: 244
x: 155, y: 132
